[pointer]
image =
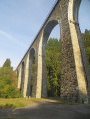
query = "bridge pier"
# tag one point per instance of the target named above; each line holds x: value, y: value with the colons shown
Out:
x: 75, y: 69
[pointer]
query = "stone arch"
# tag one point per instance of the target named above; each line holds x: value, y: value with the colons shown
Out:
x: 80, y: 58
x: 32, y: 53
x: 85, y: 61
x: 76, y: 5
x: 46, y: 33
x: 75, y: 68
x: 48, y: 28
x: 30, y: 82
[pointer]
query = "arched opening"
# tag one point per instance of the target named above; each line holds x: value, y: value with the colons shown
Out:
x: 31, y: 70
x: 84, y: 22
x: 51, y: 62
x: 81, y: 48
x: 22, y: 77
x: 84, y: 15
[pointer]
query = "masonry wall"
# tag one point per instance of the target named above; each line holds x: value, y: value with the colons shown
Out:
x: 73, y: 76
x: 68, y: 72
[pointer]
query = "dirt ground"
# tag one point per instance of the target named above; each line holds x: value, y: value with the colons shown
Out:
x: 45, y: 110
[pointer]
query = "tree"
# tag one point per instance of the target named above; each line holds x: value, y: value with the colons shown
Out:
x: 7, y: 63
x: 53, y: 62
x: 8, y: 82
x: 86, y: 38
x: 53, y: 67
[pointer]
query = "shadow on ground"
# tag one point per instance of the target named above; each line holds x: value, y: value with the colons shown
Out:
x: 45, y: 110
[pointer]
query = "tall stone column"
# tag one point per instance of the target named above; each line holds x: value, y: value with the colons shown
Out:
x: 26, y: 76
x: 19, y: 78
x: 73, y: 80
x: 41, y: 85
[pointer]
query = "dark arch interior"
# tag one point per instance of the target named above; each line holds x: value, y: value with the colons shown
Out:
x: 31, y: 70
x: 32, y: 53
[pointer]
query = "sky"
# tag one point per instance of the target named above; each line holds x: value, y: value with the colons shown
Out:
x: 20, y: 21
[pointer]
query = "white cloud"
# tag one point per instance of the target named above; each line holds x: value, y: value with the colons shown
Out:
x: 6, y: 34
x: 11, y: 38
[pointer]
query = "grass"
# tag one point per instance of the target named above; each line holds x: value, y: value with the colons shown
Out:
x: 17, y: 102
x: 22, y: 102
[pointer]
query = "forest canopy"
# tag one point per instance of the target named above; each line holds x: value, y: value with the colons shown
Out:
x: 53, y: 67
x: 86, y: 38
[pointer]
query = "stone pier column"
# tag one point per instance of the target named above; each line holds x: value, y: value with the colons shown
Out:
x: 26, y: 77
x: 40, y: 78
x: 19, y: 78
x: 73, y: 79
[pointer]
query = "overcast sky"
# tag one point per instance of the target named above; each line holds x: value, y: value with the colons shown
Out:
x: 20, y: 20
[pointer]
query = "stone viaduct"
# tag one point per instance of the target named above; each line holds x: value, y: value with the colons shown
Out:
x: 75, y: 69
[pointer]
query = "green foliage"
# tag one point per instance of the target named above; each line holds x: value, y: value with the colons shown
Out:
x: 86, y: 37
x: 8, y: 82
x: 53, y: 67
x: 7, y: 63
x: 53, y: 63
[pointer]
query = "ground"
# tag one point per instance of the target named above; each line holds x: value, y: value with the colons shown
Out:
x: 47, y: 110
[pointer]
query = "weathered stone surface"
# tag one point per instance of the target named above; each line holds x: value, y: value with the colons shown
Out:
x: 75, y: 76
